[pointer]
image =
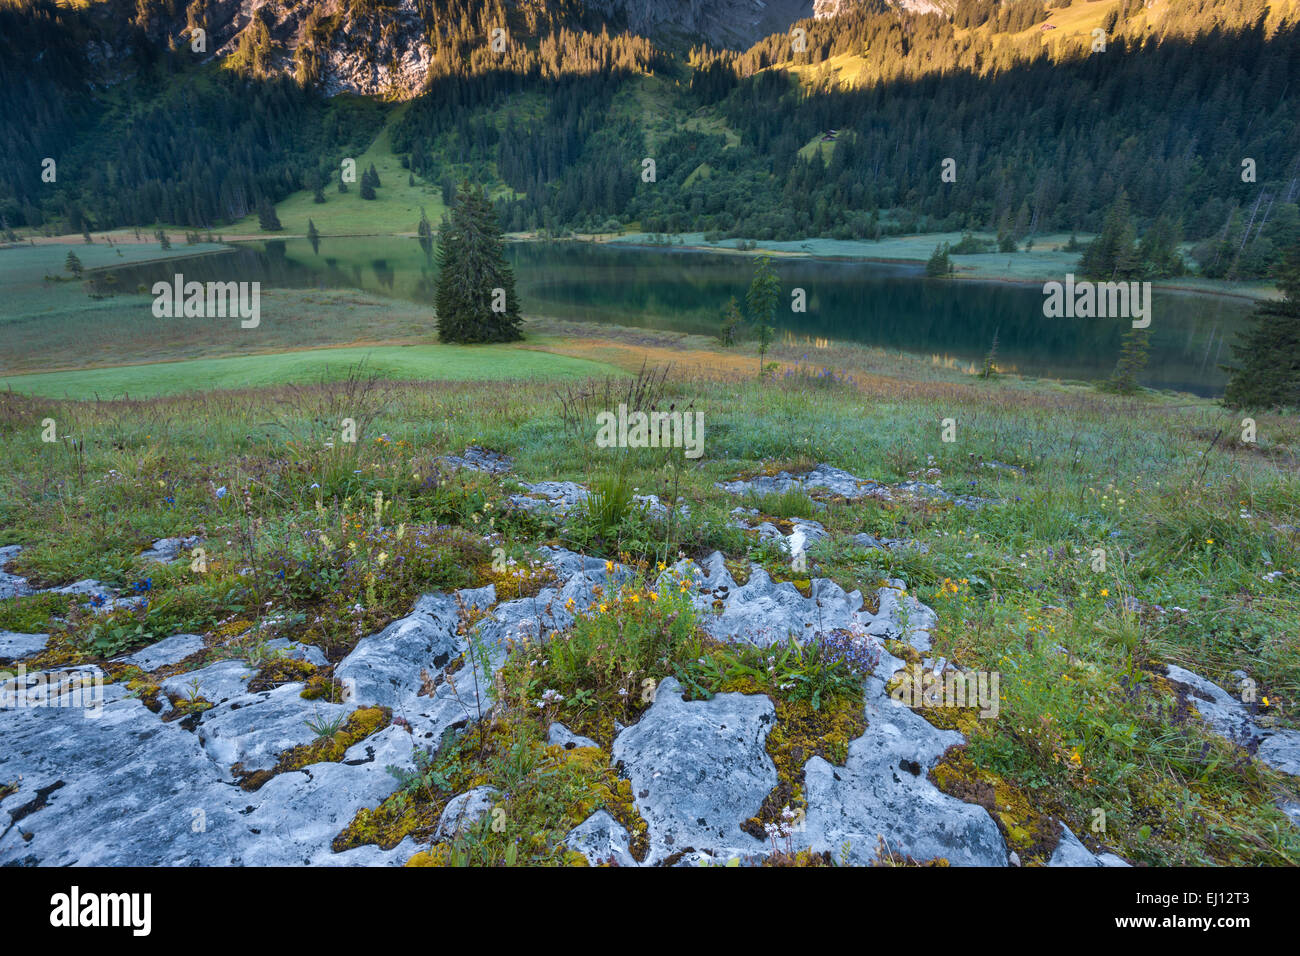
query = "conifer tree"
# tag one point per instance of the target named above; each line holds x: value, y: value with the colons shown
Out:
x: 313, y: 237
x: 425, y: 231
x: 267, y: 220
x: 939, y: 264
x: 1267, y: 373
x: 1132, y: 360
x: 476, y: 299
x: 1113, y: 255
x: 761, y: 300
x: 732, y: 320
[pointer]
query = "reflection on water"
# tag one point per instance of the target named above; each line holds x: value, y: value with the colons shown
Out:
x: 890, y: 306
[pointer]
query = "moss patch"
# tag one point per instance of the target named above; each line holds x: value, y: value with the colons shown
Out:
x: 1021, y: 816
x: 545, y: 791
x: 800, y: 733
x: 32, y: 614
x: 360, y: 725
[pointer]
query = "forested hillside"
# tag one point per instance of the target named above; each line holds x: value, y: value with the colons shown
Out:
x: 842, y: 134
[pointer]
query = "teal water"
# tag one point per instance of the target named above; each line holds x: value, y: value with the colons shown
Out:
x: 890, y: 306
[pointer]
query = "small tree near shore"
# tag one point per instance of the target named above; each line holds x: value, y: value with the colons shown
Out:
x: 764, y: 291
x: 1267, y: 373
x: 476, y: 298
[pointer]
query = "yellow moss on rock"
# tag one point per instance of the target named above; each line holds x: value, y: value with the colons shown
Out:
x: 359, y: 725
x: 1026, y: 825
x: 799, y: 734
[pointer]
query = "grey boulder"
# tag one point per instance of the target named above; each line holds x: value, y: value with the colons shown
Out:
x: 465, y: 810
x: 698, y: 770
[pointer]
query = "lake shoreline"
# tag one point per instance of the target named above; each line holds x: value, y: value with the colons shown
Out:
x: 1225, y: 292
x: 967, y: 272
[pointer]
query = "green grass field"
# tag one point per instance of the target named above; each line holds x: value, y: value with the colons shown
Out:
x: 394, y: 210
x: 413, y: 362
x: 28, y: 293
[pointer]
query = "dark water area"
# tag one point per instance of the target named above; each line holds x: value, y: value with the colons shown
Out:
x: 890, y: 306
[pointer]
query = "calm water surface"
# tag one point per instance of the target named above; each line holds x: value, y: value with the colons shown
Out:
x: 890, y: 306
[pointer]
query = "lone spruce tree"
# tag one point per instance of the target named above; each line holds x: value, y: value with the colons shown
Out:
x: 476, y: 298
x: 1267, y: 373
x: 1132, y: 360
x: 764, y: 291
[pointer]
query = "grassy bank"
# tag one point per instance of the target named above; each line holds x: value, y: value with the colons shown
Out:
x: 448, y: 363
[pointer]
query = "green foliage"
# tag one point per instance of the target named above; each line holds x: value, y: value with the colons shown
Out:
x: 476, y: 299
x: 791, y: 503
x: 33, y: 614
x: 634, y: 634
x: 1113, y: 254
x: 732, y: 321
x: 798, y: 671
x: 1267, y: 373
x: 121, y: 631
x: 989, y: 367
x: 970, y: 246
x: 609, y: 504
x: 1132, y: 360
x: 267, y: 220
x: 761, y: 300
x: 939, y: 264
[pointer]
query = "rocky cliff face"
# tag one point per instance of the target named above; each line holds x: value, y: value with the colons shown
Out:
x: 734, y: 23
x: 822, y: 9
x: 381, y: 47
x: 383, y: 53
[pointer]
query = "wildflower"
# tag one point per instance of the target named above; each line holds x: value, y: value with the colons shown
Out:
x: 609, y: 565
x: 1105, y: 592
x: 221, y: 492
